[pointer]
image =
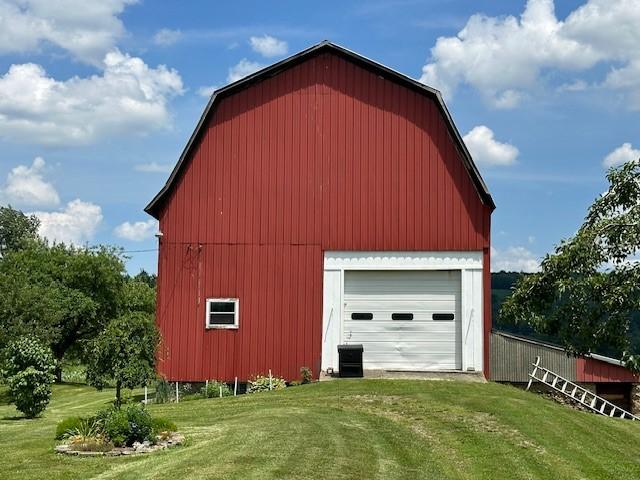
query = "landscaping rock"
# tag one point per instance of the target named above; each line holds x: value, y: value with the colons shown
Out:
x: 135, y: 449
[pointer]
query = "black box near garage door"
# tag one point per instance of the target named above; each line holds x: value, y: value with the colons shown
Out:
x: 350, y: 360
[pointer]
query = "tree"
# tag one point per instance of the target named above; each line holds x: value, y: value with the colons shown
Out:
x: 124, y: 354
x: 145, y: 277
x: 589, y: 287
x: 61, y: 294
x: 28, y: 371
x: 16, y: 229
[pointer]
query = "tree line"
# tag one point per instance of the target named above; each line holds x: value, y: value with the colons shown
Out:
x: 78, y: 303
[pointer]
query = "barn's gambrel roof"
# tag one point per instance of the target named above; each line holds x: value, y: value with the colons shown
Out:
x: 153, y: 207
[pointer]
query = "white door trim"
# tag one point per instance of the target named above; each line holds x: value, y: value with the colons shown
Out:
x: 470, y: 265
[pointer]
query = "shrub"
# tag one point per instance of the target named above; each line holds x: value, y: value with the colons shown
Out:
x: 212, y: 390
x: 140, y: 424
x: 306, y: 375
x: 66, y: 426
x: 162, y: 427
x: 88, y: 436
x: 116, y: 427
x: 163, y: 391
x: 29, y: 372
x: 126, y: 425
x: 262, y: 384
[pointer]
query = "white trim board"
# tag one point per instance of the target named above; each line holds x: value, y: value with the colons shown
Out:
x: 470, y: 265
x: 403, y: 260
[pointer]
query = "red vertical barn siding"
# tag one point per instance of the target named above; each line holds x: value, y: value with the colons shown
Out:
x: 594, y: 371
x: 322, y: 156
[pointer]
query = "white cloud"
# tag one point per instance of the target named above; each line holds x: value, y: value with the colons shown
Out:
x: 243, y: 68
x: 166, y: 37
x: 506, y: 55
x: 25, y: 186
x: 128, y: 97
x: 513, y: 259
x: 154, y: 167
x: 137, y: 231
x: 575, y: 86
x: 623, y: 154
x: 75, y: 224
x: 486, y: 150
x: 268, y: 46
x: 207, y: 91
x: 88, y: 30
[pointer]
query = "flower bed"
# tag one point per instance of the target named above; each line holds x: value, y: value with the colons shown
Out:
x: 137, y: 448
x: 116, y: 431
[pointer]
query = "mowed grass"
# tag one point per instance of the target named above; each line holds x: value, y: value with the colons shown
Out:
x: 358, y: 429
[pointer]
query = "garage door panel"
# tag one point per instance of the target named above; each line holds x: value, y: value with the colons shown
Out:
x: 415, y: 348
x: 388, y: 328
x: 420, y: 343
x: 398, y: 304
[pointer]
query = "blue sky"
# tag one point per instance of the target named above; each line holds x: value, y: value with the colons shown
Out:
x: 98, y: 99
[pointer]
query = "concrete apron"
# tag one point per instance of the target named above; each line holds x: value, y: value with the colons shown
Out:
x: 453, y: 375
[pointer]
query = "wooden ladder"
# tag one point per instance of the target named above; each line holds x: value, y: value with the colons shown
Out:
x: 576, y: 392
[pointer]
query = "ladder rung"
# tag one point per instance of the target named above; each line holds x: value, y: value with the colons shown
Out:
x: 582, y: 395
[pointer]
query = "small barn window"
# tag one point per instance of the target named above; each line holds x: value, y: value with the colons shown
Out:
x: 222, y: 312
x: 361, y: 316
x: 402, y: 316
x: 442, y: 317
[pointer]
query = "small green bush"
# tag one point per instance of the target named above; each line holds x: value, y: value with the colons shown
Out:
x: 212, y: 390
x: 126, y: 425
x: 163, y: 391
x: 116, y: 427
x: 66, y: 426
x: 306, y: 375
x: 161, y: 424
x: 29, y: 372
x: 140, y: 424
x: 262, y: 384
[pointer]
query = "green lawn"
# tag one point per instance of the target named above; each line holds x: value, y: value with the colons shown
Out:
x: 344, y: 429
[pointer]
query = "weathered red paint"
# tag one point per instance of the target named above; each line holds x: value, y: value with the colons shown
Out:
x: 591, y: 370
x: 325, y: 155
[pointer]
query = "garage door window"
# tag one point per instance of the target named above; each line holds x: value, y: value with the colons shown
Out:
x: 222, y: 312
x: 361, y: 316
x: 402, y: 316
x: 443, y: 317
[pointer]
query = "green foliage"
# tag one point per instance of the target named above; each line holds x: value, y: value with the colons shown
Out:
x: 28, y: 370
x: 126, y: 425
x: 212, y: 390
x: 163, y: 391
x: 306, y: 375
x: 588, y: 288
x: 66, y: 426
x: 161, y: 425
x: 138, y: 297
x: 74, y: 372
x: 150, y: 279
x: 61, y: 294
x: 262, y: 384
x: 16, y: 229
x: 124, y: 353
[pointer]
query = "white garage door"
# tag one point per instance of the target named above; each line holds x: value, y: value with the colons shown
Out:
x: 406, y: 320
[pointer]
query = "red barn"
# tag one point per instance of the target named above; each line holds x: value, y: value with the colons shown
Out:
x: 323, y: 200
